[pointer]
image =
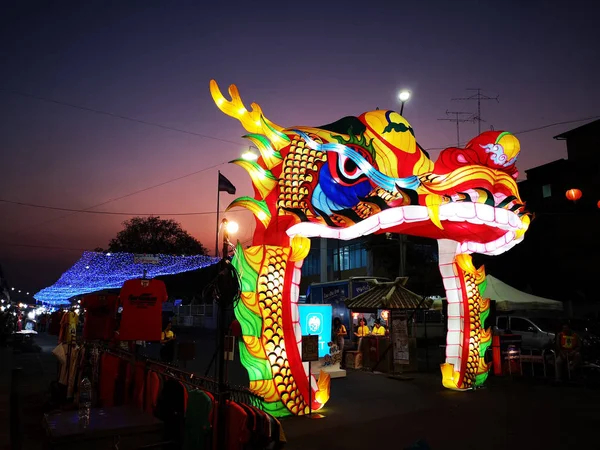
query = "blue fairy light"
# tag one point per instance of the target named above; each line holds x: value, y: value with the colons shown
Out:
x: 98, y: 271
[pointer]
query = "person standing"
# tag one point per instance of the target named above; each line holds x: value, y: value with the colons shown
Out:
x: 361, y: 332
x: 378, y: 329
x: 340, y: 333
x: 363, y: 329
x: 167, y: 344
x: 568, y: 353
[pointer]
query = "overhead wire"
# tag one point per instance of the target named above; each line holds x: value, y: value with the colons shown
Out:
x: 114, y: 213
x: 123, y: 117
x: 49, y: 247
x: 118, y: 116
x: 166, y: 127
x: 583, y: 119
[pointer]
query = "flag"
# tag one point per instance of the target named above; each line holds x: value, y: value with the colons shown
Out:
x: 225, y: 185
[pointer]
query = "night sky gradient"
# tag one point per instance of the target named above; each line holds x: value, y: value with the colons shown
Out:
x: 305, y: 63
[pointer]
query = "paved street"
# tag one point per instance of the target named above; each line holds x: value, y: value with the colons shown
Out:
x: 368, y: 410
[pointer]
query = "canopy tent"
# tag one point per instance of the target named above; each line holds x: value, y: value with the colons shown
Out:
x: 510, y: 299
x: 99, y: 271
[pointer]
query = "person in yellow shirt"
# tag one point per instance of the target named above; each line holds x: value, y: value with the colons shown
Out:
x: 363, y: 329
x: 378, y: 329
x: 167, y: 340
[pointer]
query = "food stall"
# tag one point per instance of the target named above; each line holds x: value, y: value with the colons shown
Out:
x: 392, y: 305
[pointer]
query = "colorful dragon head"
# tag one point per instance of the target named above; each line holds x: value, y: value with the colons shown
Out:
x: 367, y: 174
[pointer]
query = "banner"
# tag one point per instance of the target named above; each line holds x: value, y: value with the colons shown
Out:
x: 317, y: 320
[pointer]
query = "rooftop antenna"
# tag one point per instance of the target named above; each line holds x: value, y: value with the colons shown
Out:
x: 457, y: 118
x: 478, y: 96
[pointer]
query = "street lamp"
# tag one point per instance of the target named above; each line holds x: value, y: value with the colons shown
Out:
x: 226, y: 296
x: 231, y: 227
x: 403, y: 96
x: 249, y: 155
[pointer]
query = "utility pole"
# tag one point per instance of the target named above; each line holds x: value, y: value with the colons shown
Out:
x: 226, y: 292
x: 479, y: 97
x: 458, y: 120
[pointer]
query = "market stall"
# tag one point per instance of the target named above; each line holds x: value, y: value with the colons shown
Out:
x: 385, y: 310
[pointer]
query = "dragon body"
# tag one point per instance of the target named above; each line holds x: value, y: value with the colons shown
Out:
x: 354, y: 177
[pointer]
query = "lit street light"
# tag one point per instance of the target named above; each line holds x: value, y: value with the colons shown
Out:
x: 249, y: 155
x: 403, y: 96
x: 231, y: 227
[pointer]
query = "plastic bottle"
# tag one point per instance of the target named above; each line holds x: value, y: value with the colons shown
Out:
x: 85, y: 402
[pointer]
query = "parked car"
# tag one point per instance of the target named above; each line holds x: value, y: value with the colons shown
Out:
x: 536, y: 333
x: 540, y: 332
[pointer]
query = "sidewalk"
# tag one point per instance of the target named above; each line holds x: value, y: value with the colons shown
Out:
x: 6, y: 365
x: 31, y: 383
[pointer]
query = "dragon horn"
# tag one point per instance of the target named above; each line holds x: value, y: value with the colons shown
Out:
x: 253, y: 121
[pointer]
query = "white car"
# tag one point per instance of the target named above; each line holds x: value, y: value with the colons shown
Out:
x: 536, y: 333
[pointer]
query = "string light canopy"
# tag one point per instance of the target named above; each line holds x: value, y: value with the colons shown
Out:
x: 98, y: 271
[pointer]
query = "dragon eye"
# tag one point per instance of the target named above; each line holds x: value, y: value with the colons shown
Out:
x: 345, y: 171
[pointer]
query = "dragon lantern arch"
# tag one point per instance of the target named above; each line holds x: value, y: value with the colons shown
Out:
x: 357, y: 176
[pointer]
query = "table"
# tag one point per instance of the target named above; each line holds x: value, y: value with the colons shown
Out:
x: 125, y: 426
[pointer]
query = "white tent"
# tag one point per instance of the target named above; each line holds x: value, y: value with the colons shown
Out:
x: 509, y: 299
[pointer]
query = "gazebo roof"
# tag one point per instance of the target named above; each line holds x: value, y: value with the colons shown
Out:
x: 387, y: 295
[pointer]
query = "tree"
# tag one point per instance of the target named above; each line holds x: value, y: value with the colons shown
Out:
x: 153, y: 235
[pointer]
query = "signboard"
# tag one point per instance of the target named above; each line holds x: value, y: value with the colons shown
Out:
x: 401, y: 352
x: 358, y: 287
x: 146, y: 259
x: 316, y: 320
x: 335, y: 293
x: 310, y: 348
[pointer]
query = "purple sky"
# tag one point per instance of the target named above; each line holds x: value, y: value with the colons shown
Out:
x: 309, y: 63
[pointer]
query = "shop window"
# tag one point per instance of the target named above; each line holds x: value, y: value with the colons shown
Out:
x: 312, y: 264
x: 349, y: 257
x: 547, y: 190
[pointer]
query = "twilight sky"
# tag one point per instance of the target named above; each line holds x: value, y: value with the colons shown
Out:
x: 308, y: 63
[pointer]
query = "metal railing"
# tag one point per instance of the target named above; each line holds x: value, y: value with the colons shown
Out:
x: 206, y: 310
x: 238, y: 394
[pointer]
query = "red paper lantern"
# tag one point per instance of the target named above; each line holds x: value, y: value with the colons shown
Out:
x: 599, y: 204
x: 573, y: 194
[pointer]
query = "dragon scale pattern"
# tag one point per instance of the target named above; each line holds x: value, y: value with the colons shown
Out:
x: 270, y: 299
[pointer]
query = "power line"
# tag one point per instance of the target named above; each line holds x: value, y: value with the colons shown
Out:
x: 112, y: 213
x: 478, y: 96
x: 49, y: 247
x: 118, y: 116
x: 458, y: 121
x: 122, y: 197
x: 532, y: 129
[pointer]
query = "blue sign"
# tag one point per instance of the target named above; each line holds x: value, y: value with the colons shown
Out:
x: 317, y: 320
x: 359, y: 287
